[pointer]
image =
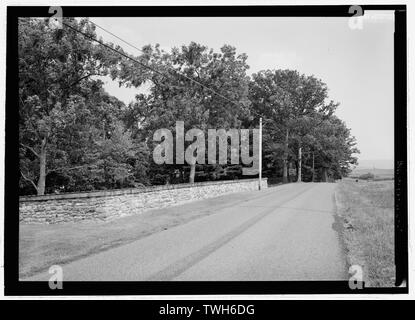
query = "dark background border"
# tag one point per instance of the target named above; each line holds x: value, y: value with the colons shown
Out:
x: 11, y: 222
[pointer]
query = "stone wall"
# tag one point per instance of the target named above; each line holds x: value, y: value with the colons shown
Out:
x: 105, y: 205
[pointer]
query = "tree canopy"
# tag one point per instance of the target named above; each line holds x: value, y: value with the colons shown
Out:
x: 74, y: 136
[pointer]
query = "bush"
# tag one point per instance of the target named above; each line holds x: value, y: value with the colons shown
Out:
x: 367, y: 176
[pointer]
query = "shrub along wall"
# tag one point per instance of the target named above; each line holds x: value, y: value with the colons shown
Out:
x: 105, y: 205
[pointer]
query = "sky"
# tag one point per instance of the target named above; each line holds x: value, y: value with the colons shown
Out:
x: 356, y: 64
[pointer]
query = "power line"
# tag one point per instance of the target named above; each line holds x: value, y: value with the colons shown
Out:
x: 148, y: 67
x: 112, y: 49
x: 142, y: 64
x: 174, y: 70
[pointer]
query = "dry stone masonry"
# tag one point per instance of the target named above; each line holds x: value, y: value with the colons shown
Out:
x: 106, y: 205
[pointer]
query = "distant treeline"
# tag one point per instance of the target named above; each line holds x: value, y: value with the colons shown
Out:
x: 74, y: 136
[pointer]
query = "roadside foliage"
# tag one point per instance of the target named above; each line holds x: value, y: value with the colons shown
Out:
x: 74, y: 136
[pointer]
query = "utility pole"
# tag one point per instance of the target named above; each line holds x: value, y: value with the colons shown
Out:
x: 260, y: 154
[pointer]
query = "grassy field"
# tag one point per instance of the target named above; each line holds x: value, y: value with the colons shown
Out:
x: 366, y: 210
x: 380, y: 174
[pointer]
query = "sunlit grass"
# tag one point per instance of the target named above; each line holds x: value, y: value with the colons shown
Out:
x: 367, y: 212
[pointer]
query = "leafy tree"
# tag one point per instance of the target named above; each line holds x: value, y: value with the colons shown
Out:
x: 175, y: 96
x: 64, y: 112
x: 334, y: 148
x: 54, y: 67
x: 120, y: 160
x: 74, y: 136
x: 288, y: 101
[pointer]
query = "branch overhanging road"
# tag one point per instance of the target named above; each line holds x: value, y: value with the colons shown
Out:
x: 285, y: 233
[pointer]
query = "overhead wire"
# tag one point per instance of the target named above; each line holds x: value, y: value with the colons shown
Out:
x: 141, y: 63
x: 149, y: 67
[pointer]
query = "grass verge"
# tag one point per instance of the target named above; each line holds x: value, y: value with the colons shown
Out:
x: 366, y: 210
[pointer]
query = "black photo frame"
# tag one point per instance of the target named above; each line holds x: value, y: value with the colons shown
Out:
x: 11, y: 222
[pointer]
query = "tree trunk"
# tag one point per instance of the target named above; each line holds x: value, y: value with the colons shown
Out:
x: 285, y: 161
x: 192, y: 173
x: 299, y: 165
x: 295, y: 177
x: 285, y: 171
x: 324, y: 175
x: 42, y: 169
x: 313, y: 168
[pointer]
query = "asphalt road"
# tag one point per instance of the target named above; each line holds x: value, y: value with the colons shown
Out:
x: 284, y: 233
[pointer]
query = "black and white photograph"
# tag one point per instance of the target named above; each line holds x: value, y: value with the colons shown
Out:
x: 207, y: 146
